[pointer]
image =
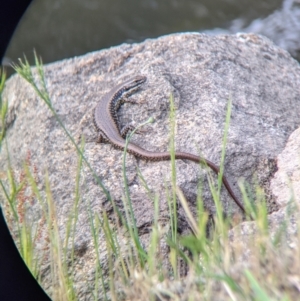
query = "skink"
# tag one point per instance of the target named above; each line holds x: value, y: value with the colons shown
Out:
x: 107, y: 124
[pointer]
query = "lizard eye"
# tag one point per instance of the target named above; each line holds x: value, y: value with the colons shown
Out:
x: 140, y: 79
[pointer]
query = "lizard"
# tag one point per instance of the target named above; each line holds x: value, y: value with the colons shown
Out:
x: 108, y: 127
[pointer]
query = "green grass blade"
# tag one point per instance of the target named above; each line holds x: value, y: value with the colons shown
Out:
x: 259, y: 293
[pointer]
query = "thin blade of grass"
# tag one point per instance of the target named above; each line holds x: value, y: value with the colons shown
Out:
x: 130, y: 219
x: 24, y: 70
x: 259, y: 293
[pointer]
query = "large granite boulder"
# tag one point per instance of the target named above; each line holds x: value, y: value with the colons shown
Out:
x: 202, y: 73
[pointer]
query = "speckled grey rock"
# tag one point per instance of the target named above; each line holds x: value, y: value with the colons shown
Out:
x: 285, y: 185
x: 285, y: 188
x: 202, y: 73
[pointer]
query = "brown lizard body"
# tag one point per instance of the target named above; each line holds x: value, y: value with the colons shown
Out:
x: 106, y: 122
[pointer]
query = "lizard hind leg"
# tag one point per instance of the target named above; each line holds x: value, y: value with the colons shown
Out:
x: 127, y: 129
x: 101, y: 138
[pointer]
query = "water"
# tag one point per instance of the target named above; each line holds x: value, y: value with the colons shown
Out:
x: 60, y: 29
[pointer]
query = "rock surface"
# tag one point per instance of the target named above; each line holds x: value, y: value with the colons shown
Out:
x: 286, y: 183
x: 202, y: 73
x: 285, y: 187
